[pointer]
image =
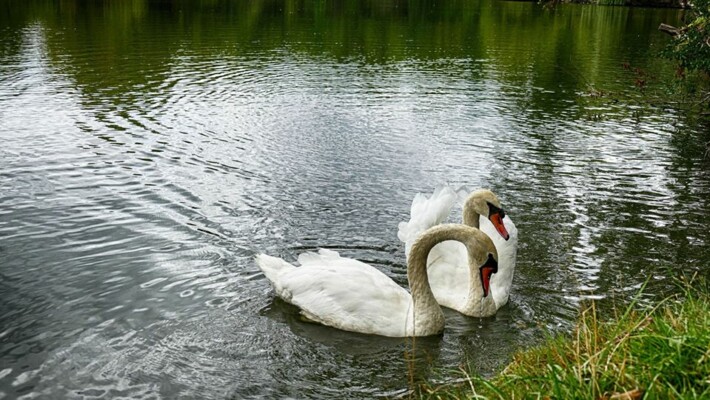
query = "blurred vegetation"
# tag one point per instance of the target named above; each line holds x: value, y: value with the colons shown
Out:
x: 691, y: 47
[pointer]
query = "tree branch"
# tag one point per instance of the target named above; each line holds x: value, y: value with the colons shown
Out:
x: 669, y: 29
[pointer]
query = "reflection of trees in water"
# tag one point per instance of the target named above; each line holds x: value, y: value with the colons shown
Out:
x: 555, y: 45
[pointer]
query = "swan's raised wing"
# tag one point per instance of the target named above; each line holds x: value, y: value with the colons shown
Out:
x: 347, y: 294
x: 425, y: 213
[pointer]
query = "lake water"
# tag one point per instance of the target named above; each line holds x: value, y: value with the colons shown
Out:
x: 150, y: 149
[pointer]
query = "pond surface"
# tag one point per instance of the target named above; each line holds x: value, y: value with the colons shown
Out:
x: 151, y: 149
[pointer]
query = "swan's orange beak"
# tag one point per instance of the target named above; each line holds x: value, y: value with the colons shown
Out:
x: 497, y: 220
x: 487, y: 270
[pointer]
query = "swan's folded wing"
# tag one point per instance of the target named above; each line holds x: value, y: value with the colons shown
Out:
x: 349, y: 295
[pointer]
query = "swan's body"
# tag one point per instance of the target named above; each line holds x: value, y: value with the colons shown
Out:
x: 354, y: 296
x: 449, y: 276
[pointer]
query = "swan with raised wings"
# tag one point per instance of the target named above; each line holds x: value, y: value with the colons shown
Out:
x: 350, y: 295
x: 449, y: 277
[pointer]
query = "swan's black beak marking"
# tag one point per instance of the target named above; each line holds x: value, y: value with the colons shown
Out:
x: 486, y: 271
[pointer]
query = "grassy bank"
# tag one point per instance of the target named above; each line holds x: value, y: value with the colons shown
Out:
x: 657, y: 353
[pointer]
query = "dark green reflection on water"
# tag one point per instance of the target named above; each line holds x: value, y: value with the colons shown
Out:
x: 570, y: 47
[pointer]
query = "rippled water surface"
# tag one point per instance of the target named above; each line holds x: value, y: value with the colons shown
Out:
x: 150, y: 149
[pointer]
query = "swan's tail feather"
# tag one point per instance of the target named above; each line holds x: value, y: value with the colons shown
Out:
x: 425, y: 213
x: 273, y: 268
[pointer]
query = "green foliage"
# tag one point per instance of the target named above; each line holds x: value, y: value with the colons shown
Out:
x: 658, y: 353
x: 691, y: 48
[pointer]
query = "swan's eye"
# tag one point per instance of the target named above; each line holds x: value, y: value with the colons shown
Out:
x: 493, y: 210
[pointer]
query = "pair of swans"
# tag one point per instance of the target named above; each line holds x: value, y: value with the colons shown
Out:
x: 449, y: 279
x: 350, y: 295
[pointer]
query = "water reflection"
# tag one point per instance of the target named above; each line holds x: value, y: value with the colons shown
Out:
x: 150, y: 149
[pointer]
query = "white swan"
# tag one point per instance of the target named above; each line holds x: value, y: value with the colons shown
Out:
x: 448, y: 275
x: 348, y: 294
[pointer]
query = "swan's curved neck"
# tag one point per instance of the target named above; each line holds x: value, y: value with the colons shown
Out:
x: 470, y: 216
x: 426, y: 308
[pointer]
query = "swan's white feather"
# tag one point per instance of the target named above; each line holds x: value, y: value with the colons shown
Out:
x: 273, y: 268
x: 453, y: 282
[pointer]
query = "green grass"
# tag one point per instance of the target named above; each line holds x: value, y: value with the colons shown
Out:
x: 657, y: 353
